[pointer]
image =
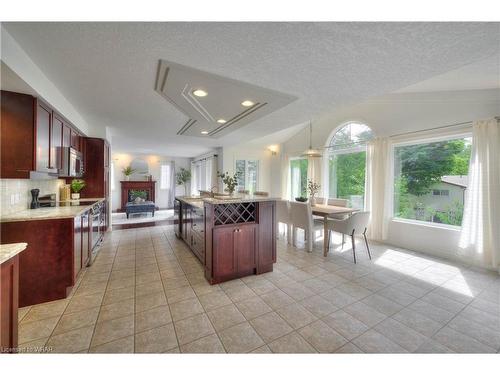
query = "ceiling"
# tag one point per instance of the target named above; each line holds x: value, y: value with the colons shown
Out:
x: 108, y: 70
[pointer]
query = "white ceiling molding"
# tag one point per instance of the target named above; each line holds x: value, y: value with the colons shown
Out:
x: 224, y: 99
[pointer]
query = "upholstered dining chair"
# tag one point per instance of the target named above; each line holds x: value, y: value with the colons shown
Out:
x: 354, y: 225
x: 301, y: 217
x: 283, y: 216
x: 340, y: 203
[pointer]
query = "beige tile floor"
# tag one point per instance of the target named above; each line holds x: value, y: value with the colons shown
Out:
x: 146, y: 293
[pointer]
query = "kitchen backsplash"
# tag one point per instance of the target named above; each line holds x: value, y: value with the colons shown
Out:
x: 16, y: 196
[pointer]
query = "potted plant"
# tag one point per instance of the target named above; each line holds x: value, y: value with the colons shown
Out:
x: 301, y: 199
x: 127, y: 171
x: 183, y: 177
x: 230, y: 181
x: 77, y: 186
x: 313, y: 189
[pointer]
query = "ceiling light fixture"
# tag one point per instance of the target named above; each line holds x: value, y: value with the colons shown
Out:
x: 200, y: 93
x: 311, y: 152
x: 221, y: 121
x: 204, y: 132
x: 247, y: 103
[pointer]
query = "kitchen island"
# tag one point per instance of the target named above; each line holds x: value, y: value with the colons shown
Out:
x: 232, y: 237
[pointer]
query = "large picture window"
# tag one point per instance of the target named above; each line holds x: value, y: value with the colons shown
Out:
x: 430, y: 180
x: 298, y: 178
x: 347, y: 163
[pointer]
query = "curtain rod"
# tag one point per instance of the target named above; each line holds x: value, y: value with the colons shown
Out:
x: 437, y: 128
x: 208, y: 157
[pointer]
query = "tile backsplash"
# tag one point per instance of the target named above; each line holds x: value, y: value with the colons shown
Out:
x: 15, y: 193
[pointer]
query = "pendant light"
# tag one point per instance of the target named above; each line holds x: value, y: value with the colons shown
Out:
x: 311, y: 152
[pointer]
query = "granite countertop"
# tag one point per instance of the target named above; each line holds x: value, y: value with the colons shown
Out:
x: 47, y: 213
x: 199, y: 202
x: 8, y: 251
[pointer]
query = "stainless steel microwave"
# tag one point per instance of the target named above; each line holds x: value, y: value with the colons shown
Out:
x: 72, y: 163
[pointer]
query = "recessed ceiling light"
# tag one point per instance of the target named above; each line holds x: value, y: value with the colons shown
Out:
x: 221, y: 121
x: 204, y: 132
x: 200, y: 93
x: 247, y: 103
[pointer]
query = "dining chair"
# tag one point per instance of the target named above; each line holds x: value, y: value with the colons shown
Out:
x: 301, y: 217
x: 340, y: 203
x: 356, y: 224
x: 261, y: 193
x: 283, y: 216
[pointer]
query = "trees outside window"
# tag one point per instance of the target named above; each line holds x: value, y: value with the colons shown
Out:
x: 347, y: 163
x: 430, y: 180
x: 248, y: 174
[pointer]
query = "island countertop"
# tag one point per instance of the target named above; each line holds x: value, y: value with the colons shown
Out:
x: 47, y: 213
x: 199, y: 201
x: 8, y: 251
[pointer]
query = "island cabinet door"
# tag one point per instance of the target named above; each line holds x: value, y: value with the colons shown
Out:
x: 244, y: 242
x: 225, y: 261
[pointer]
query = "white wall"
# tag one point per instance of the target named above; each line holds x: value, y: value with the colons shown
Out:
x: 400, y: 113
x: 121, y: 160
x: 269, y: 165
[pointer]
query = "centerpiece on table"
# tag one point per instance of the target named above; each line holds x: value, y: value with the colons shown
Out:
x: 313, y: 189
x: 77, y: 186
x: 230, y: 181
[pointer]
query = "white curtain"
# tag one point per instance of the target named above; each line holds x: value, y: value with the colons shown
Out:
x: 377, y: 192
x: 194, y: 177
x: 286, y: 187
x: 480, y: 237
x: 210, y: 173
x: 314, y: 166
x: 170, y: 182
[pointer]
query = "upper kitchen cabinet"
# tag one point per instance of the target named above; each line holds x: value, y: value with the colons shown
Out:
x: 32, y: 136
x: 17, y: 135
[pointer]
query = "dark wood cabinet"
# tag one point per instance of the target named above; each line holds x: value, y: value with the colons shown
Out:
x: 86, y: 237
x: 17, y: 135
x: 56, y: 134
x: 43, y: 125
x: 32, y: 134
x: 66, y: 136
x: 225, y: 260
x: 77, y: 246
x: 231, y: 240
x: 9, y: 296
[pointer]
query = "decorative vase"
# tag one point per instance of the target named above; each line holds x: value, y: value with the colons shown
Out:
x: 75, y: 195
x: 312, y: 199
x: 127, y: 177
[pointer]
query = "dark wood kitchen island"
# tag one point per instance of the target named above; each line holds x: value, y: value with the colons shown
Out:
x: 231, y: 237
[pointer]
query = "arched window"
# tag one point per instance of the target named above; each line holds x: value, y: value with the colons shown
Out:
x: 347, y: 163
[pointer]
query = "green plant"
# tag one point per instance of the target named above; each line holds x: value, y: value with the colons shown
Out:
x: 77, y: 185
x: 230, y: 181
x: 127, y: 171
x: 138, y: 194
x: 301, y: 199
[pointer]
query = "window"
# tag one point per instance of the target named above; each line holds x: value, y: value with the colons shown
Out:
x: 347, y: 163
x: 430, y: 180
x: 298, y: 176
x: 248, y: 173
x: 165, y: 174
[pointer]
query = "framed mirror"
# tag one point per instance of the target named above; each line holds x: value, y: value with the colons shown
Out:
x: 141, y: 169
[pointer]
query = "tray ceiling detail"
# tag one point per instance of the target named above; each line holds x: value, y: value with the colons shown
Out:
x: 222, y: 110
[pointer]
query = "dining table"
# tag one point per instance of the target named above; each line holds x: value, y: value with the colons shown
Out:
x: 325, y: 210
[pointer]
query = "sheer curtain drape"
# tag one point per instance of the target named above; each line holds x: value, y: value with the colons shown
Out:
x: 314, y: 166
x: 480, y: 237
x: 203, y: 174
x: 170, y: 180
x: 377, y: 192
x: 286, y: 187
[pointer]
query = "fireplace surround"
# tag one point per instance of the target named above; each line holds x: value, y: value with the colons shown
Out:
x: 126, y: 186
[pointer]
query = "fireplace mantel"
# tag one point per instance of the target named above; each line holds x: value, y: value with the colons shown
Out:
x: 126, y: 186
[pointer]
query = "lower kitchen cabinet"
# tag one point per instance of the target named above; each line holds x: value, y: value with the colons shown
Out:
x: 9, y: 292
x: 81, y: 243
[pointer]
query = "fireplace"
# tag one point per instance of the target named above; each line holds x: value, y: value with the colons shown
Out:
x: 129, y: 187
